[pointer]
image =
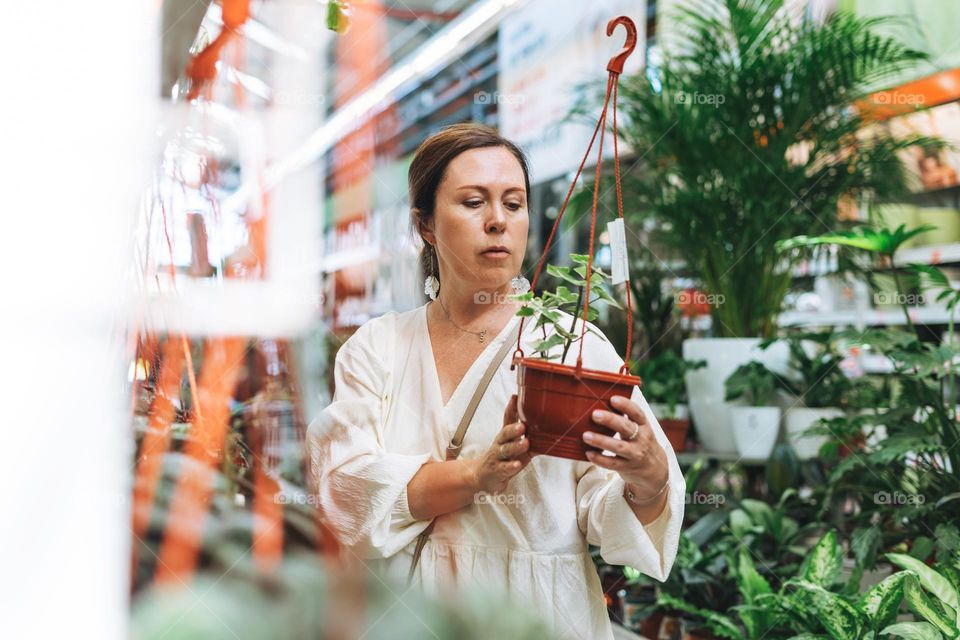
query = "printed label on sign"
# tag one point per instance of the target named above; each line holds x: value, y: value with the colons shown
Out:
x: 618, y: 246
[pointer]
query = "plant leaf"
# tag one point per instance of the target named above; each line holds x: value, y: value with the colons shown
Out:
x: 913, y: 631
x: 839, y: 618
x: 882, y: 600
x: 930, y: 579
x: 825, y: 562
x: 928, y: 608
x: 720, y: 624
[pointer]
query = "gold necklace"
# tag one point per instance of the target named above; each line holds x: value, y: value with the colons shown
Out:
x: 482, y: 334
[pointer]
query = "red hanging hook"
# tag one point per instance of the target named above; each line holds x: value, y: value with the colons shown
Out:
x: 616, y: 62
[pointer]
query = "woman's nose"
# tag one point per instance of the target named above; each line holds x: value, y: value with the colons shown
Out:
x: 497, y: 218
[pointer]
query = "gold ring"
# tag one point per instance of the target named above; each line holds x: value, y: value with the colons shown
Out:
x: 636, y: 432
x: 502, y: 457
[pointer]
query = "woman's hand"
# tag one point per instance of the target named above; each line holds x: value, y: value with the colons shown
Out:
x: 506, y: 457
x: 641, y: 462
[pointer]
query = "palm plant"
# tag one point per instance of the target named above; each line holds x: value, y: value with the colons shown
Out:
x: 746, y: 135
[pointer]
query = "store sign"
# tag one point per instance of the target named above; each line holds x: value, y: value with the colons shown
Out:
x: 546, y: 49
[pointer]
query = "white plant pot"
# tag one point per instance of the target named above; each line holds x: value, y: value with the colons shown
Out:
x: 798, y: 420
x: 705, y: 387
x: 661, y: 411
x: 755, y: 431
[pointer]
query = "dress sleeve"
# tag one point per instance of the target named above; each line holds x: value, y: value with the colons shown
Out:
x: 603, y: 514
x: 361, y: 487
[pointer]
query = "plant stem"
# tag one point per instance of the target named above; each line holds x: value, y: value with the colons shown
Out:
x: 573, y: 325
x: 903, y: 301
x: 951, y: 382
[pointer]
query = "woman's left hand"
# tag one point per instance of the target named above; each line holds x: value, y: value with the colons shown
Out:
x: 641, y: 462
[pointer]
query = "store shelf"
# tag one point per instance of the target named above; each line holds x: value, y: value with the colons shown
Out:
x: 865, y: 318
x: 934, y: 254
x: 690, y: 457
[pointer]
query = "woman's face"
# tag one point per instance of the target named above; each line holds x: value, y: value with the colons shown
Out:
x: 481, y: 203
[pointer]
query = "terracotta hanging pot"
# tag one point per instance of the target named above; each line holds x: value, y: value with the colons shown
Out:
x: 556, y: 401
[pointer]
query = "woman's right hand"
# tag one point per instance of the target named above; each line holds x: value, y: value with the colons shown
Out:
x: 507, y: 456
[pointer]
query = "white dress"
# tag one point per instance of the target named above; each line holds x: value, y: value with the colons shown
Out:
x: 387, y: 419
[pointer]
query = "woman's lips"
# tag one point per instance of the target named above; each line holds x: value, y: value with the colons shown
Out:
x: 499, y: 255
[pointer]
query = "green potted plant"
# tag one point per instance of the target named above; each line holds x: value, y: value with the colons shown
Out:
x: 757, y: 617
x: 638, y: 603
x: 744, y: 132
x: 666, y: 391
x: 556, y: 400
x: 755, y: 422
x: 905, y: 481
x: 933, y: 595
x: 815, y: 602
x: 820, y: 385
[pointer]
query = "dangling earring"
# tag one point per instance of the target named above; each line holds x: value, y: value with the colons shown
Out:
x: 520, y: 285
x: 431, y: 286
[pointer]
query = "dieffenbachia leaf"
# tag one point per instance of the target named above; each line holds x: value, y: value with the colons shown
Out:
x: 882, y: 601
x: 825, y: 562
x: 932, y: 581
x: 913, y: 631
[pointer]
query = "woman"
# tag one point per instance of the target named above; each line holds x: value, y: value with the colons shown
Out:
x: 403, y: 380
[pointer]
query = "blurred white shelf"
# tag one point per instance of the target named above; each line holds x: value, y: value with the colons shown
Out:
x: 934, y: 254
x: 690, y: 457
x: 866, y: 318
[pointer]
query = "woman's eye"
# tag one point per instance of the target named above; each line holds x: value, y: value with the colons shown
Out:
x: 514, y: 206
x: 474, y: 203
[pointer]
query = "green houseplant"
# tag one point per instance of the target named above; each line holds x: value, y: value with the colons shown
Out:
x: 745, y: 132
x: 912, y: 466
x: 813, y: 603
x: 820, y: 385
x: 932, y: 594
x: 744, y: 129
x: 556, y: 399
x: 665, y: 390
x: 757, y: 424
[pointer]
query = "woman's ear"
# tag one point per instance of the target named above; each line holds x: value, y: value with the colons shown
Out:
x: 425, y: 230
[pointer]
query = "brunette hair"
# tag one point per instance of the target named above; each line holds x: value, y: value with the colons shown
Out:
x: 429, y: 165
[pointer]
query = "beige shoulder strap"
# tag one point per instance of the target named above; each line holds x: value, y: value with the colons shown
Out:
x: 453, y: 449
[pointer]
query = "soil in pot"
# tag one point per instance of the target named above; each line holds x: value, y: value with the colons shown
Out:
x: 555, y: 402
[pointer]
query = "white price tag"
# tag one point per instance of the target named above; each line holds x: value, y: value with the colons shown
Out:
x: 618, y: 246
